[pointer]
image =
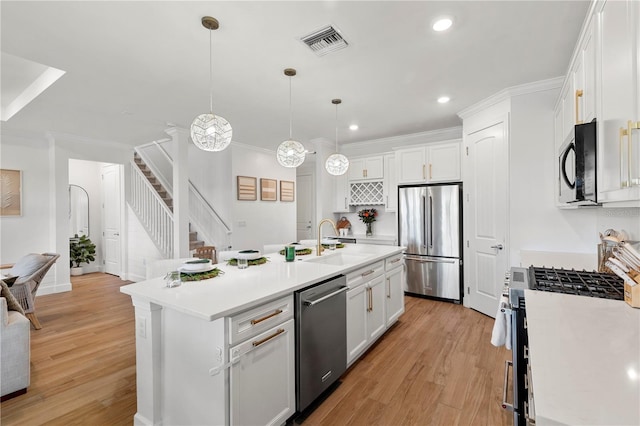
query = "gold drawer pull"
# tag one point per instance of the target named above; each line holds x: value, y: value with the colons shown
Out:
x: 266, y: 339
x: 579, y: 94
x: 396, y: 260
x: 259, y: 320
x: 369, y: 272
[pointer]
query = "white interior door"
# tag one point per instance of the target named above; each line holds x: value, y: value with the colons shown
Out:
x: 111, y: 206
x: 304, y: 200
x: 486, y: 199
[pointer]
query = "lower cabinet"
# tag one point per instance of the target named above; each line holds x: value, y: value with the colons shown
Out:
x: 395, y: 294
x: 262, y: 377
x: 366, y: 309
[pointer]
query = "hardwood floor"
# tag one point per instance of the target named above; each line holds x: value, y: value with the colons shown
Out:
x: 435, y: 366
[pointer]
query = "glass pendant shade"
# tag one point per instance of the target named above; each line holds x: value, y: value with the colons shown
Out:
x: 337, y: 164
x: 211, y: 132
x: 290, y: 153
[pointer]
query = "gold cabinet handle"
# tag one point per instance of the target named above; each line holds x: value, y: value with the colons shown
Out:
x: 424, y: 172
x: 624, y: 180
x: 370, y: 299
x: 430, y: 171
x: 369, y: 272
x: 579, y: 94
x: 388, y: 288
x: 259, y: 320
x: 631, y: 126
x: 266, y: 339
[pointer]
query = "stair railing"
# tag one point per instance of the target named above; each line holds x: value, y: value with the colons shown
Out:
x: 200, y: 215
x: 152, y: 212
x: 204, y: 218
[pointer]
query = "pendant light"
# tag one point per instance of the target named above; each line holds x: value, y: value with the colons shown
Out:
x: 337, y: 164
x: 210, y: 132
x: 290, y: 153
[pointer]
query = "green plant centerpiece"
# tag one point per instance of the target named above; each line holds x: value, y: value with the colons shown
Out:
x: 368, y: 216
x: 81, y: 250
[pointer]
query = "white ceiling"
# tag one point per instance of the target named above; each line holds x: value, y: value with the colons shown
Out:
x: 133, y: 67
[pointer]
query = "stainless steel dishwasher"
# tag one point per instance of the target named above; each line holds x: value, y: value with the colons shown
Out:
x: 321, y: 338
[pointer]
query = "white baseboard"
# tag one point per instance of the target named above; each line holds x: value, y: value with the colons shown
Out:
x: 134, y: 277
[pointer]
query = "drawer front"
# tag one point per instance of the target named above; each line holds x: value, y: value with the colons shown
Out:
x: 257, y: 320
x: 393, y: 262
x: 365, y: 274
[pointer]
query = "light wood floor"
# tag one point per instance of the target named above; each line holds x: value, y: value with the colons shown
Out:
x: 436, y: 366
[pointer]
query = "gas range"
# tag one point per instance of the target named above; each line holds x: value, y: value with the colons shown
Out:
x: 581, y: 283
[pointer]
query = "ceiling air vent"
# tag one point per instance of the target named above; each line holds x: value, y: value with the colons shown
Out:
x: 325, y: 40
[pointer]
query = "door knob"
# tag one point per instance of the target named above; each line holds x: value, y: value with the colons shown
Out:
x: 499, y: 247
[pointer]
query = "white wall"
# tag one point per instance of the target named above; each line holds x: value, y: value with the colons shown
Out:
x: 256, y: 223
x: 28, y: 233
x: 44, y: 225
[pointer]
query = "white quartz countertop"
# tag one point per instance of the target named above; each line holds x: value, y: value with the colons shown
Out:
x: 240, y: 289
x: 585, y: 359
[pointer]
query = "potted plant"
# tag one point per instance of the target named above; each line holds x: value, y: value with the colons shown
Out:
x: 81, y: 250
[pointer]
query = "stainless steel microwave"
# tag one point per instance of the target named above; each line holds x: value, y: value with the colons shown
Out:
x: 577, y: 167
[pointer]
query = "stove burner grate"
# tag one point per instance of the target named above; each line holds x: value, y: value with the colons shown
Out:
x: 583, y: 283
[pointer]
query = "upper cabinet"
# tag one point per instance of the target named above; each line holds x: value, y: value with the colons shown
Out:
x: 390, y: 189
x: 619, y: 116
x: 429, y: 164
x: 603, y: 83
x: 369, y: 168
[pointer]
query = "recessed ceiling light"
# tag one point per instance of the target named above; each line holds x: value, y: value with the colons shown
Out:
x: 443, y: 99
x: 442, y: 24
x: 353, y: 127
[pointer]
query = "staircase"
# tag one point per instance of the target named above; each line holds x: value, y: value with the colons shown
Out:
x: 194, y: 242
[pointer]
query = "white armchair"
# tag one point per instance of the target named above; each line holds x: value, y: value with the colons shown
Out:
x: 15, y: 374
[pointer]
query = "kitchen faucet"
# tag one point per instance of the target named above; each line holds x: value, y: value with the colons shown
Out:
x: 319, y: 247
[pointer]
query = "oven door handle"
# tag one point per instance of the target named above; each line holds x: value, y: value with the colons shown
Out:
x: 505, y: 387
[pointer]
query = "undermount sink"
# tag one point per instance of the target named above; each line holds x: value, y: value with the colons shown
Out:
x: 337, y: 259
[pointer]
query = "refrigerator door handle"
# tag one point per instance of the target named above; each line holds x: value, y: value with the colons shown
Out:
x: 423, y: 207
x: 430, y: 221
x: 426, y: 259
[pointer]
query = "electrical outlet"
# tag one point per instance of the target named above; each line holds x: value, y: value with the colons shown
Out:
x: 141, y: 327
x: 242, y: 224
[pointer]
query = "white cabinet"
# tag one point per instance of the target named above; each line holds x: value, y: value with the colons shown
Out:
x: 366, y: 168
x: 366, y: 309
x: 429, y: 164
x: 618, y: 134
x: 342, y: 193
x: 390, y: 189
x: 584, y: 78
x: 411, y: 165
x: 395, y: 288
x: 444, y: 162
x: 262, y: 373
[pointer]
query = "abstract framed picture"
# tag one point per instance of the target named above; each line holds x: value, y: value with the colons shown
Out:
x: 268, y: 189
x: 247, y: 188
x: 287, y: 190
x: 10, y: 192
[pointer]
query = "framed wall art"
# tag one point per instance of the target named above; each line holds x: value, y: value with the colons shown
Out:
x: 268, y: 189
x: 10, y: 192
x: 287, y: 190
x: 247, y: 188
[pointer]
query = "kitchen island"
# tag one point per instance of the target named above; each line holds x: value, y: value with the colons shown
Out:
x: 185, y: 335
x: 585, y: 359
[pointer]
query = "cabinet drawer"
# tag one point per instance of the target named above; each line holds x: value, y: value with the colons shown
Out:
x: 393, y: 262
x: 365, y: 274
x: 257, y: 320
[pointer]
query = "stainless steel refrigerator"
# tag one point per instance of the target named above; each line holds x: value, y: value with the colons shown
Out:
x: 429, y: 226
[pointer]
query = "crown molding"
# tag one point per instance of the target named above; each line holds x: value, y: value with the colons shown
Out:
x: 509, y: 92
